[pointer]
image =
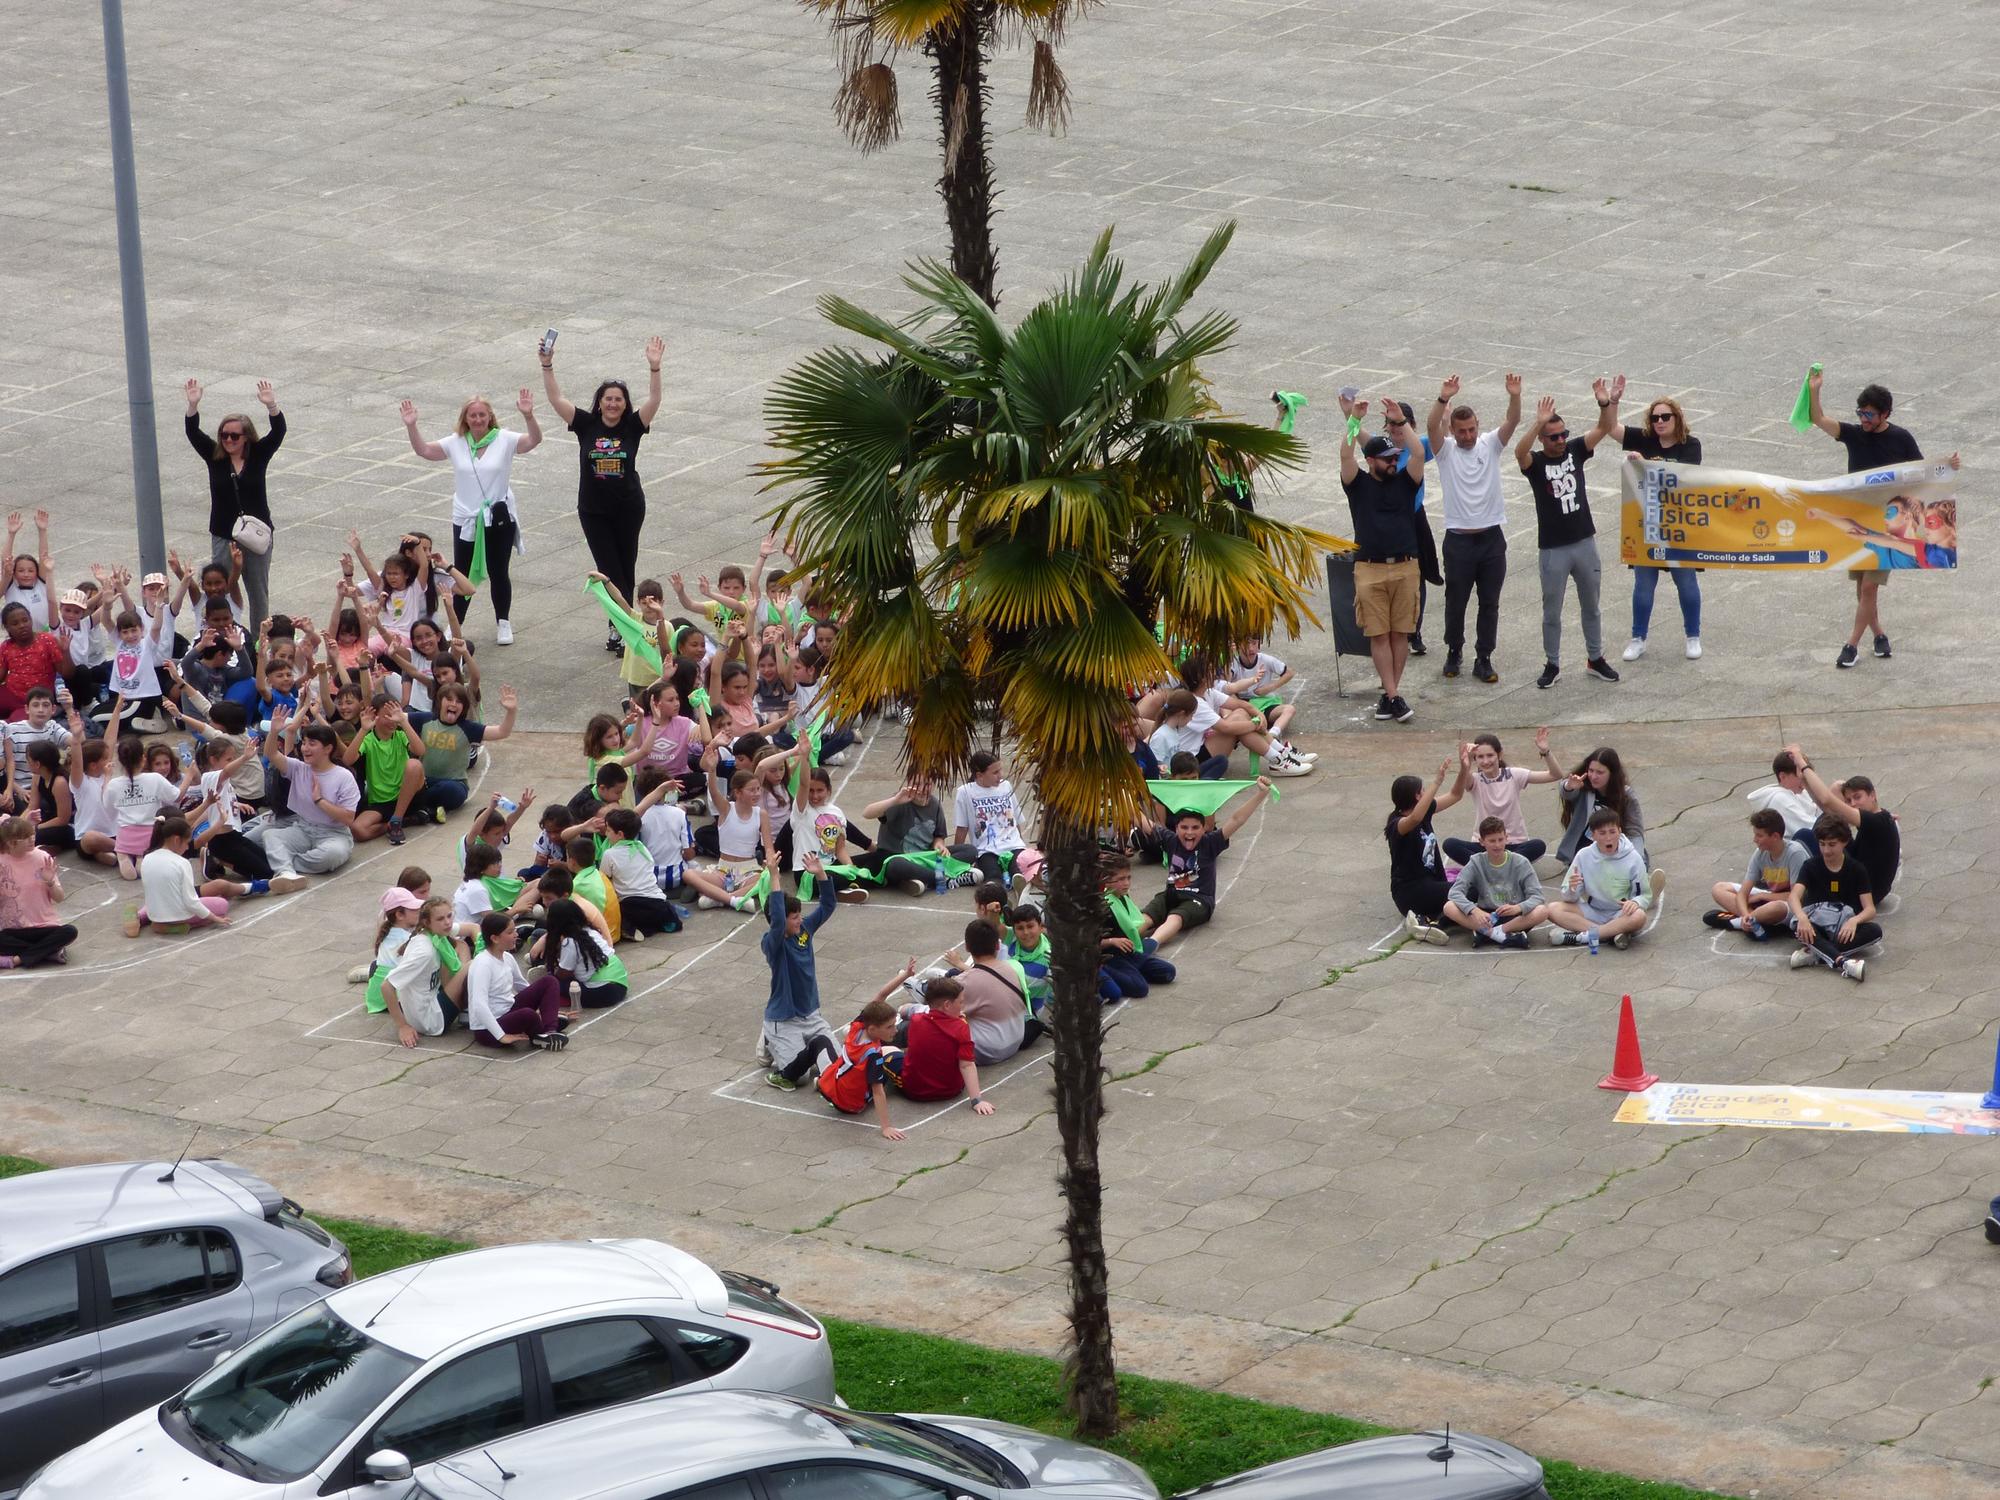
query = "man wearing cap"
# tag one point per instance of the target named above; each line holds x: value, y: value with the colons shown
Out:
x: 1382, y: 499
x: 1475, y: 543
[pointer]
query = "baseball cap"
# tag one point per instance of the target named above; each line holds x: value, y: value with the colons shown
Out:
x: 153, y: 581
x: 76, y: 597
x: 1377, y: 447
x: 398, y: 899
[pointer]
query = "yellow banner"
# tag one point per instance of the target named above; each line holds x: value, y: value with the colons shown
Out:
x: 1686, y: 516
x: 1777, y: 1107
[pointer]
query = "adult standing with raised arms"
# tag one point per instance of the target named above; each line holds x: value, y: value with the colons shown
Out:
x: 610, y: 501
x: 1475, y: 512
x: 485, y: 517
x: 238, y: 460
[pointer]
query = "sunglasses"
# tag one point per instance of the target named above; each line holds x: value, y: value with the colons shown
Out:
x: 1663, y: 416
x: 230, y: 437
x: 1557, y: 437
x: 1397, y: 422
x: 1867, y: 414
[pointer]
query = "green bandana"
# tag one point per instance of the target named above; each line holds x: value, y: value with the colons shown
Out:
x: 502, y: 890
x: 632, y: 630
x: 448, y: 958
x: 1126, y: 914
x: 1292, y: 403
x: 476, y: 572
x: 1204, y: 797
x: 1801, y: 417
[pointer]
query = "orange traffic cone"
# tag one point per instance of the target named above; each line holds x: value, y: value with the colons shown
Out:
x: 1628, y: 1069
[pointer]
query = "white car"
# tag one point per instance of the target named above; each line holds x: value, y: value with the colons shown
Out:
x: 445, y: 1356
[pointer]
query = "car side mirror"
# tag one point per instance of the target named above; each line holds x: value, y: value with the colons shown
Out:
x: 385, y: 1466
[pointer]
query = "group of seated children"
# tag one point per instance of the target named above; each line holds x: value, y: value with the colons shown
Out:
x: 1823, y: 857
x: 1606, y: 893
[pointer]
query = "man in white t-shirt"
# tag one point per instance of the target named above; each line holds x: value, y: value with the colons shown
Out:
x: 1475, y: 512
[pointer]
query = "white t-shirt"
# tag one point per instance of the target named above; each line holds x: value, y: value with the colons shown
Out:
x: 93, y: 809
x: 222, y: 812
x: 1471, y: 479
x: 492, y: 980
x: 399, y: 609
x: 1797, y: 808
x: 20, y: 736
x: 487, y: 479
x: 1266, y: 668
x: 137, y: 800
x: 415, y: 980
x: 663, y: 829
x: 470, y: 902
x: 90, y: 643
x: 630, y: 871
x: 35, y: 598
x: 135, y: 668
x: 817, y: 828
x: 168, y: 882
x: 1167, y: 742
x: 991, y: 815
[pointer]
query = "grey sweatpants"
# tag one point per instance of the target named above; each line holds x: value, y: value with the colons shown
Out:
x: 1559, y: 564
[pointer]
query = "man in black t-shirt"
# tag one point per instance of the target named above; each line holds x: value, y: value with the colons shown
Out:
x: 1833, y: 905
x: 1564, y: 531
x: 1383, y: 501
x: 1872, y: 441
x: 1878, y: 842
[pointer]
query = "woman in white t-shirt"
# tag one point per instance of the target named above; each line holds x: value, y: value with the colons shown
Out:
x: 481, y: 454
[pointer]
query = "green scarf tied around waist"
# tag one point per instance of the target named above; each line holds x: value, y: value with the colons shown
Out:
x: 476, y: 573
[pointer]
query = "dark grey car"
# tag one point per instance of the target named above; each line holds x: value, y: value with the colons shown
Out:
x: 120, y: 1283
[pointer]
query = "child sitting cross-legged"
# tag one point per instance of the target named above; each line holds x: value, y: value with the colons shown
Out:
x: 1605, y: 894
x: 1127, y: 966
x: 1028, y: 948
x: 643, y: 907
x: 1762, y: 898
x: 1497, y: 895
x: 1190, y: 855
x: 576, y: 952
x: 859, y: 1074
x: 934, y: 1057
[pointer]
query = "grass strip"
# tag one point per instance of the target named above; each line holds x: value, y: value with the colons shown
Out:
x: 1180, y: 1434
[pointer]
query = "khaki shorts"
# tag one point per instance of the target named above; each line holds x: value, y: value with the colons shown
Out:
x: 1385, y: 597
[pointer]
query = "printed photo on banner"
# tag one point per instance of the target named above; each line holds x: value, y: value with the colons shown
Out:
x: 1684, y: 516
x: 1777, y: 1107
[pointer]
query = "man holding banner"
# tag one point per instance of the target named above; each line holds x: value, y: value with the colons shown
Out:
x: 1872, y: 441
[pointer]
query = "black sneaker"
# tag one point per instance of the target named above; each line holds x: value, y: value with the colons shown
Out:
x: 1601, y: 669
x: 1882, y: 646
x: 1847, y: 658
x: 1403, y: 712
x: 1417, y: 646
x: 1383, y: 710
x: 1993, y: 1222
x: 1483, y: 670
x: 1450, y: 663
x: 1550, y: 672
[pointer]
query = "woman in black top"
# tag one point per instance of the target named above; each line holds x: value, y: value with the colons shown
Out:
x: 237, y: 459
x: 1665, y: 436
x: 610, y: 501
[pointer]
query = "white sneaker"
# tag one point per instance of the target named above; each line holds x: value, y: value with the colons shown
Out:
x: 503, y: 633
x: 1559, y: 937
x: 1424, y: 932
x: 1802, y: 958
x: 838, y: 758
x: 1855, y: 969
x: 1304, y: 757
x: 1273, y: 766
x: 359, y: 973
x: 707, y: 902
x: 1637, y: 648
x: 1694, y: 648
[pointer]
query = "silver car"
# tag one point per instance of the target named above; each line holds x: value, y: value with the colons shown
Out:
x: 745, y: 1446
x: 120, y: 1283
x: 451, y: 1355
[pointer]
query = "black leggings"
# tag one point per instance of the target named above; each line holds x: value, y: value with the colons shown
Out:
x: 646, y: 915
x: 613, y: 540
x: 1827, y: 939
x: 236, y: 851
x: 1425, y: 897
x: 35, y: 945
x: 808, y: 1059
x: 499, y: 557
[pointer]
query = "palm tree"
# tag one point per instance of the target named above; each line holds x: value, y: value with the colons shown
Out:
x: 957, y: 36
x: 1004, y: 516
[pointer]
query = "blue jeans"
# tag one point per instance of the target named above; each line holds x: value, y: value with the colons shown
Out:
x: 447, y: 794
x: 1646, y: 583
x: 1129, y: 976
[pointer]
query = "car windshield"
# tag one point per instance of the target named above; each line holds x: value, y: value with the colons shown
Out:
x: 277, y: 1408
x: 908, y: 1438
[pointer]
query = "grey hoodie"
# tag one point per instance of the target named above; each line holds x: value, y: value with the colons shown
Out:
x: 1481, y: 883
x: 1608, y: 879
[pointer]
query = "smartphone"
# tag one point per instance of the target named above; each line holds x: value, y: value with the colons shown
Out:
x: 1349, y: 392
x: 549, y: 342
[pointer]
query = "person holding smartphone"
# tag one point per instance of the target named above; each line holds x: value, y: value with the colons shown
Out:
x: 610, y: 501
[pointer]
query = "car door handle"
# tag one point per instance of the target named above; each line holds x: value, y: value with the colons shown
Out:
x: 72, y: 1377
x: 209, y: 1338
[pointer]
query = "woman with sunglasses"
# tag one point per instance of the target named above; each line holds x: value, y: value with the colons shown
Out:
x: 237, y: 459
x: 1665, y: 436
x: 610, y: 501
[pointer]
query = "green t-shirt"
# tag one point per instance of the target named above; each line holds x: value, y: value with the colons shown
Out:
x: 382, y: 763
x: 447, y: 748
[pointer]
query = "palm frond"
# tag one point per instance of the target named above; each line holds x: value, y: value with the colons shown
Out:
x: 1014, y: 585
x: 1048, y: 91
x: 907, y: 22
x: 866, y: 106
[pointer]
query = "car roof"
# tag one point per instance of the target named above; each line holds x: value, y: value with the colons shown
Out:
x: 68, y: 1206
x: 428, y: 1308
x: 1395, y: 1467
x: 672, y: 1435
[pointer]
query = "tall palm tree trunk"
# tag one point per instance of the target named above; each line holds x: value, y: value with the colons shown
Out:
x: 958, y: 50
x: 1075, y: 916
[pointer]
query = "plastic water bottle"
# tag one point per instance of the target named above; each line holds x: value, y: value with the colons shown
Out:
x: 507, y: 806
x: 186, y: 753
x: 1591, y: 939
x: 938, y: 881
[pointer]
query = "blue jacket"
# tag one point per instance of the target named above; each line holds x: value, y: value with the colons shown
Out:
x: 794, y: 984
